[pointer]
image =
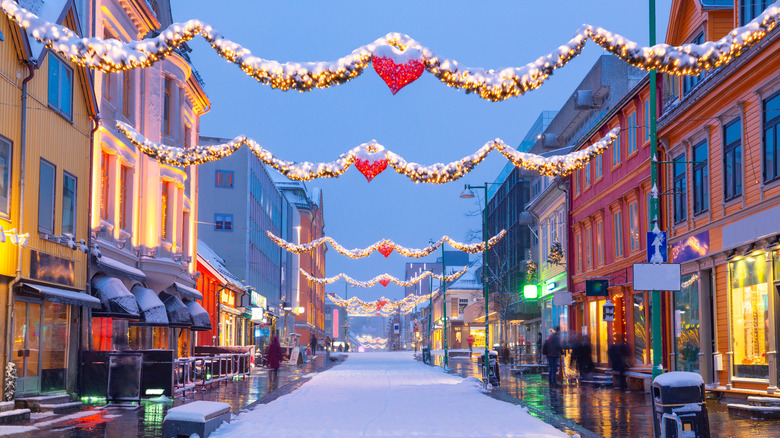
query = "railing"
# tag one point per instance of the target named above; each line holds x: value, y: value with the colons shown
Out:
x: 200, y: 371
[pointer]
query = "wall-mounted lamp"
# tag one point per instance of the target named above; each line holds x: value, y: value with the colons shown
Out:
x: 609, y: 311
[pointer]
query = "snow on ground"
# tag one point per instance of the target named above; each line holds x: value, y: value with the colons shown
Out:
x: 387, y: 395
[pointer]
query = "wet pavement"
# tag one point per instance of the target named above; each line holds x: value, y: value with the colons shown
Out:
x: 146, y: 420
x: 602, y: 411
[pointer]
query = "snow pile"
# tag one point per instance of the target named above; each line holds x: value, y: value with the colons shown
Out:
x: 678, y: 379
x: 389, y: 395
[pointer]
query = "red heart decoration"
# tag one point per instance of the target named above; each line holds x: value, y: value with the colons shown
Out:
x: 385, y: 249
x: 371, y: 159
x: 380, y: 304
x: 397, y: 68
x: 384, y: 281
x: 370, y: 169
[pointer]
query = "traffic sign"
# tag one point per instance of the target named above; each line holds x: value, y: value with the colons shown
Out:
x: 656, y: 246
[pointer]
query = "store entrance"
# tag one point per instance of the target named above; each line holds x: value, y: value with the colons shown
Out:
x: 40, y: 346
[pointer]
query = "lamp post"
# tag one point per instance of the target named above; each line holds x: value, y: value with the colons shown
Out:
x: 444, y: 306
x: 468, y: 194
x: 654, y: 207
x: 430, y: 311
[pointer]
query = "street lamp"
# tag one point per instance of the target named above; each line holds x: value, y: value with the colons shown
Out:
x: 469, y: 194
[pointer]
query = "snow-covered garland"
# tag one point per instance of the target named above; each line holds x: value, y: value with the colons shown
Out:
x: 371, y: 158
x: 383, y: 305
x: 396, y: 57
x: 383, y: 279
x: 368, y: 341
x: 384, y: 246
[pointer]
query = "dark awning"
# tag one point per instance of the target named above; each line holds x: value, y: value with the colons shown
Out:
x: 178, y: 314
x: 115, y: 300
x: 200, y: 317
x: 63, y: 296
x: 152, y: 309
x: 187, y: 292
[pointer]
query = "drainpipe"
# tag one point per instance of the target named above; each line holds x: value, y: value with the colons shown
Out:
x: 22, y: 147
x: 88, y: 283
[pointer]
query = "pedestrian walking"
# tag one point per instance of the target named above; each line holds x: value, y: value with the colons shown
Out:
x: 552, y: 349
x: 313, y: 344
x: 581, y: 355
x: 327, y: 343
x: 274, y: 362
x: 471, y: 344
x: 618, y: 354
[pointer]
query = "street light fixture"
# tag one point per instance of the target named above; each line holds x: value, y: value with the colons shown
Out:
x: 467, y: 193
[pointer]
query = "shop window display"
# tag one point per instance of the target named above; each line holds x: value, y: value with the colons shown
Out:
x: 749, y: 317
x: 686, y: 325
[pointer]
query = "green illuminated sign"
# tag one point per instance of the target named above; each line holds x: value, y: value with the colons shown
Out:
x: 531, y: 291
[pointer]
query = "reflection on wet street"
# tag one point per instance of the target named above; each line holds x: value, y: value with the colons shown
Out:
x: 604, y: 411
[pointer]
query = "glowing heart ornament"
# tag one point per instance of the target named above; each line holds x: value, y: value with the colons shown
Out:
x: 371, y: 160
x: 385, y: 249
x: 384, y: 282
x: 398, y: 68
x: 380, y: 304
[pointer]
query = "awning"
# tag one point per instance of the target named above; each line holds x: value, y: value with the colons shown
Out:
x: 178, y: 314
x: 115, y: 300
x: 187, y: 292
x: 200, y: 317
x: 152, y: 309
x: 229, y: 309
x: 120, y: 269
x: 63, y: 296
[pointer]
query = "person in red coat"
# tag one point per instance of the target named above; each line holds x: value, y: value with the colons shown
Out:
x: 274, y: 361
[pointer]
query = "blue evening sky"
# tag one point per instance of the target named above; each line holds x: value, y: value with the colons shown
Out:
x: 426, y: 122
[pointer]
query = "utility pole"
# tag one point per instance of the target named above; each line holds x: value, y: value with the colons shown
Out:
x: 654, y: 207
x: 444, y: 305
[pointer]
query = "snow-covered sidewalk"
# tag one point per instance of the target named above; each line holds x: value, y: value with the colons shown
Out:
x: 387, y: 395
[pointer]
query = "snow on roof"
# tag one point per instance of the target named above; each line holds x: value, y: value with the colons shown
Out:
x: 216, y: 262
x: 469, y: 279
x: 49, y: 10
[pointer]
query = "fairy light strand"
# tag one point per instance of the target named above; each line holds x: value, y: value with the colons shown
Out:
x: 384, y: 279
x: 372, y: 152
x: 111, y: 55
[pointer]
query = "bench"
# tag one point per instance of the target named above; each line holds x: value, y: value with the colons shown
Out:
x: 200, y: 417
x: 635, y: 381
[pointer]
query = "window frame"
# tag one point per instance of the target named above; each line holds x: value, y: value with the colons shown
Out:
x: 6, y: 177
x: 600, y: 243
x: 647, y: 120
x: 589, y: 248
x: 57, y: 105
x: 74, y: 207
x: 598, y: 168
x: 167, y: 106
x: 52, y: 207
x: 732, y: 151
x: 217, y: 178
x: 586, y: 172
x: 743, y: 16
x: 222, y: 218
x: 632, y: 135
x: 680, y: 196
x: 616, y: 148
x: 770, y: 124
x: 633, y: 227
x: 578, y: 253
x: 701, y: 195
x: 125, y: 180
x: 617, y: 226
x: 164, y: 211
x: 690, y: 82
x: 126, y: 82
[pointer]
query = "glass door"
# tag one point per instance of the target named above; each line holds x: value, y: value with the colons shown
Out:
x: 27, y: 343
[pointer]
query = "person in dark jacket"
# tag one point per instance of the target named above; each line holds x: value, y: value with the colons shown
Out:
x: 313, y: 344
x: 553, y: 350
x: 618, y: 354
x: 274, y: 361
x: 581, y: 356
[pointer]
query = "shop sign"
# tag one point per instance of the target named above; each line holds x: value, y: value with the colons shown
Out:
x: 46, y: 267
x: 257, y: 300
x: 691, y: 248
x: 657, y: 276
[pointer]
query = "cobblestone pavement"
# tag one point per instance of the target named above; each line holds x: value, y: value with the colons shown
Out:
x: 592, y: 411
x: 146, y: 420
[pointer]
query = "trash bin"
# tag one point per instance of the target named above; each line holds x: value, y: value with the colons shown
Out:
x: 493, y: 376
x: 426, y: 355
x: 679, y: 408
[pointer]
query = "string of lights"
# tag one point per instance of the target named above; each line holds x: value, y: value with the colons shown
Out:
x: 386, y: 307
x: 383, y: 279
x: 384, y: 246
x: 371, y: 158
x: 397, y: 58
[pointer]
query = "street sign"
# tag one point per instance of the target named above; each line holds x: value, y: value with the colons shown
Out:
x: 597, y: 288
x: 396, y: 328
x: 657, y: 276
x: 656, y: 246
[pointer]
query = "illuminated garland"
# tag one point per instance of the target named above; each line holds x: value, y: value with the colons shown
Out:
x: 368, y: 341
x: 384, y: 246
x: 112, y: 55
x: 368, y: 156
x: 383, y: 279
x: 381, y: 307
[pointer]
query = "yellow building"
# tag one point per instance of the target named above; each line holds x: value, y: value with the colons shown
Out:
x: 45, y: 128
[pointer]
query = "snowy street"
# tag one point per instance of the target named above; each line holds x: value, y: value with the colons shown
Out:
x: 387, y: 394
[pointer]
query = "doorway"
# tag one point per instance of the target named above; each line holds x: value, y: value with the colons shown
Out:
x: 40, y: 346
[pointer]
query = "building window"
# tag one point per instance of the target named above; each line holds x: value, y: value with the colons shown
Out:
x: 60, y: 86
x: 749, y: 297
x: 68, y: 204
x: 617, y: 221
x: 633, y: 225
x: 576, y: 176
x: 647, y: 120
x: 772, y: 138
x: 686, y: 325
x: 597, y: 168
x: 223, y: 222
x: 690, y: 82
x: 126, y: 94
x: 5, y: 176
x: 124, y: 186
x: 224, y: 178
x: 578, y: 241
x: 586, y: 169
x: 732, y: 160
x: 641, y: 338
x: 616, y: 148
x: 750, y: 9
x: 600, y: 243
x: 589, y: 248
x: 104, y: 183
x: 46, y: 188
x: 701, y: 192
x: 680, y: 189
x: 167, y: 101
x: 164, y: 213
x: 632, y: 128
